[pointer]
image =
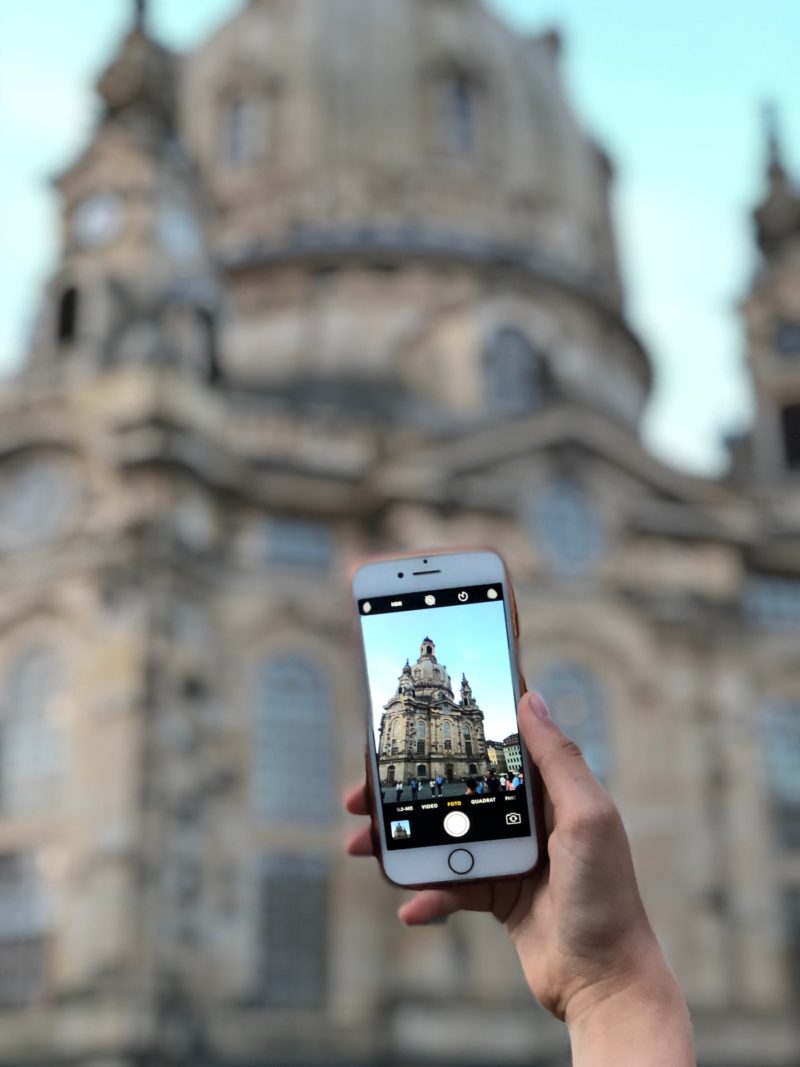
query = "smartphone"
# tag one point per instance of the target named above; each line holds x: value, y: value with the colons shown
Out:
x: 451, y: 788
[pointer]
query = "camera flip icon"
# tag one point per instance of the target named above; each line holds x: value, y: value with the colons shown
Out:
x: 513, y: 818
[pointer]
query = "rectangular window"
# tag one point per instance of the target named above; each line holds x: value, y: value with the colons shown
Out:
x: 792, y: 915
x: 786, y: 821
x: 294, y: 931
x: 773, y: 601
x: 468, y: 747
x: 787, y: 337
x: 22, y: 931
x: 790, y: 420
x: 296, y: 543
x: 292, y: 744
x: 448, y: 746
x: 420, y: 748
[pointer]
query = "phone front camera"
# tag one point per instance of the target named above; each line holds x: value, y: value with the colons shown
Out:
x: 399, y: 574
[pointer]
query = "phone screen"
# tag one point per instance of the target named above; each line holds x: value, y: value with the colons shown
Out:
x: 444, y: 716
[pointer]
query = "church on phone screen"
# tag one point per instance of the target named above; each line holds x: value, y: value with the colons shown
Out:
x: 343, y: 279
x: 424, y: 732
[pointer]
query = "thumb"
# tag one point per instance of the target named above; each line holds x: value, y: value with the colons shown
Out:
x: 564, y: 771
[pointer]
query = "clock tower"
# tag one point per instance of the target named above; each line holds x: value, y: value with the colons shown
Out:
x: 133, y: 282
x: 772, y: 317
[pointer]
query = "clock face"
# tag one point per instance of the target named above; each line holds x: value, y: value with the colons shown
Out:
x: 97, y: 219
x: 178, y: 231
x: 37, y: 501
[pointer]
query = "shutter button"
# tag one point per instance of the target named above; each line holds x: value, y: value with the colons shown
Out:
x: 456, y: 823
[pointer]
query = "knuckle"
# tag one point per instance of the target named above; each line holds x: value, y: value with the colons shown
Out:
x: 567, y: 747
x: 563, y: 749
x: 598, y: 819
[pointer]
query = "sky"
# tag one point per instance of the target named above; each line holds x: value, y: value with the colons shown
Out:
x: 672, y: 90
x: 470, y: 639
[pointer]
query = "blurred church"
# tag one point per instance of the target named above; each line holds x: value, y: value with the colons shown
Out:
x: 342, y: 280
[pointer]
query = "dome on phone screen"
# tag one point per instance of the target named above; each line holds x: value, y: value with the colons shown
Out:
x: 428, y: 672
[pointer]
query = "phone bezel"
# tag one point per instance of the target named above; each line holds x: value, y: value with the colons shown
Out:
x: 428, y: 865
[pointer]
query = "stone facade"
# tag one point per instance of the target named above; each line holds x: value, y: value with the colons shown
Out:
x: 343, y: 280
x: 424, y: 732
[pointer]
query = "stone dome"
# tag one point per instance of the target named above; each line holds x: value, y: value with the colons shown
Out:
x: 394, y: 123
x: 428, y: 672
x: 407, y: 219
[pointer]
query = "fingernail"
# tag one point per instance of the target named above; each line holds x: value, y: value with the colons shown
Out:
x: 537, y: 705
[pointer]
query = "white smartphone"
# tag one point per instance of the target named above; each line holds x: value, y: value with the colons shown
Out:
x: 452, y: 791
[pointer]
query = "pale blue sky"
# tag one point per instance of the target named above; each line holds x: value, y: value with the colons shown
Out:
x: 673, y: 90
x: 470, y: 639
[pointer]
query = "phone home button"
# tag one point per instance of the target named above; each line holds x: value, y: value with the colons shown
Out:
x: 460, y: 861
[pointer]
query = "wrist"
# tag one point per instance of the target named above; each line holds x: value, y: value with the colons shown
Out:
x: 639, y: 1018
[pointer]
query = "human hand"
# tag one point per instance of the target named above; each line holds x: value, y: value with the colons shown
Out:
x: 578, y: 924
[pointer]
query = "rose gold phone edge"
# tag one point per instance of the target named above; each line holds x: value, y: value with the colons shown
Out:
x: 534, y: 842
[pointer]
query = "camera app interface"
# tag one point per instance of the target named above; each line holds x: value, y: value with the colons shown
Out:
x: 444, y: 717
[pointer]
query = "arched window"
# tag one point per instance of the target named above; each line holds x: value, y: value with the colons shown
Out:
x: 514, y: 375
x: 467, y: 740
x: 459, y: 114
x: 67, y: 320
x: 235, y: 132
x: 420, y: 737
x: 447, y: 734
x: 780, y: 728
x: 577, y: 702
x: 244, y: 129
x: 292, y: 772
x: 31, y: 748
